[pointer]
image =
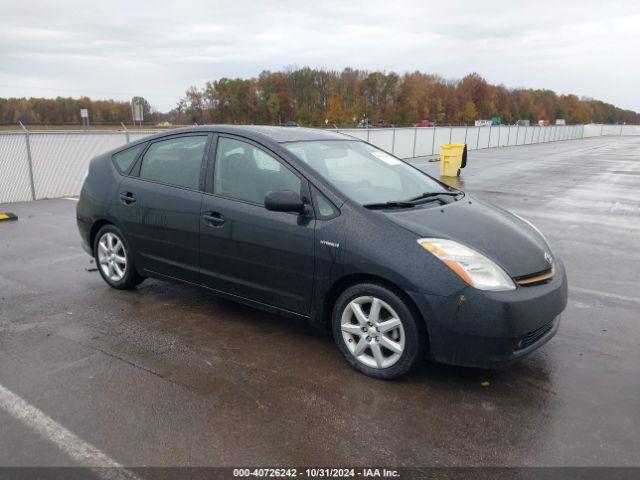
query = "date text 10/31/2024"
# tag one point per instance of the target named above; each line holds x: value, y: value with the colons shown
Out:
x: 316, y: 472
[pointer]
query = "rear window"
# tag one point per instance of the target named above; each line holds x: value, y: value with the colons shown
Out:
x: 125, y: 159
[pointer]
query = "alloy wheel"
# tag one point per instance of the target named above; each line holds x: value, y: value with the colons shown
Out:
x: 372, y: 332
x: 112, y: 257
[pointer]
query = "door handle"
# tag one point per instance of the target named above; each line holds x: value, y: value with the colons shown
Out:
x: 127, y: 198
x: 213, y: 219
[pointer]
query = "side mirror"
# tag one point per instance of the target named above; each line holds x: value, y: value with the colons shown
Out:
x: 284, y: 201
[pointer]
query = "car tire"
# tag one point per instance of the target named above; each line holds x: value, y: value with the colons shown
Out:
x: 379, y: 351
x: 114, y: 259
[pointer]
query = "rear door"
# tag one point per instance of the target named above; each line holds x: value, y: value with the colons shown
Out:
x: 245, y: 249
x: 160, y: 205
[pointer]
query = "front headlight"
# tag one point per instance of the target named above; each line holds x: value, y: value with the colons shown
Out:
x: 473, y: 267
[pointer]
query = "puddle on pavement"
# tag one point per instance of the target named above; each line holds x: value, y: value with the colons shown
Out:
x: 455, y: 182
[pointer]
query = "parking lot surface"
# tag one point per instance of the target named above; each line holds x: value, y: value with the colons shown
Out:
x: 171, y: 375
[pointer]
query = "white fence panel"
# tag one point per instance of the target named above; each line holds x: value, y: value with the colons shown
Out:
x: 381, y: 138
x: 544, y: 135
x: 631, y: 130
x: 472, y: 138
x: 61, y: 159
x: 15, y: 185
x: 535, y: 131
x: 510, y: 135
x: 597, y: 129
x: 503, y: 135
x: 483, y: 137
x: 493, y: 136
x: 403, y: 142
x: 443, y: 136
x: 592, y: 130
x: 458, y: 134
x: 540, y: 134
x: 424, y: 141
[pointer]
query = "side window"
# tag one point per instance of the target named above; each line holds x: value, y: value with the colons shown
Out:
x: 324, y: 207
x: 247, y: 173
x: 176, y: 161
x: 125, y: 159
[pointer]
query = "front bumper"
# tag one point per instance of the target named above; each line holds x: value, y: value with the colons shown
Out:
x: 487, y: 329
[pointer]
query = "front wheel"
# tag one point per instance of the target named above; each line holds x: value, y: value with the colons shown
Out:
x: 113, y: 258
x: 377, y: 332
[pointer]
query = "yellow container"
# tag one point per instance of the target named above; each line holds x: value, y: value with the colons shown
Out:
x: 451, y: 159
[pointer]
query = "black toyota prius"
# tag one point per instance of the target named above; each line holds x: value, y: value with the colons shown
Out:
x: 331, y: 230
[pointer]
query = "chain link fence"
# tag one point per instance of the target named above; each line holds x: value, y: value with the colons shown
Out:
x: 51, y: 164
x: 424, y: 141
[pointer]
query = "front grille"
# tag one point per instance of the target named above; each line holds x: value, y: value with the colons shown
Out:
x: 536, y: 278
x: 533, y: 336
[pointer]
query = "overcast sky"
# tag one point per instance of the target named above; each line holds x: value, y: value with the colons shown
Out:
x: 157, y: 49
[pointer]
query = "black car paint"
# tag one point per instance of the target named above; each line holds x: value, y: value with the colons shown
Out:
x: 297, y: 264
x: 504, y: 238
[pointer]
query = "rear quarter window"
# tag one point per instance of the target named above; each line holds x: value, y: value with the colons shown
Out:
x: 125, y: 158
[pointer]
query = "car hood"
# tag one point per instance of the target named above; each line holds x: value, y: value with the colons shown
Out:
x: 506, y: 239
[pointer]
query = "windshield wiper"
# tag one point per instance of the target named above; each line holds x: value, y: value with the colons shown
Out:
x: 383, y: 205
x: 425, y: 195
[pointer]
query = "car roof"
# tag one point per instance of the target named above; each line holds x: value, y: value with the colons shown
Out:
x: 275, y: 134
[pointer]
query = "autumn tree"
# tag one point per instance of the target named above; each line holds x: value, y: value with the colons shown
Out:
x: 469, y: 113
x: 309, y: 96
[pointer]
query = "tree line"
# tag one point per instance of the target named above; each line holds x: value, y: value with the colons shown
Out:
x: 65, y: 110
x: 315, y: 97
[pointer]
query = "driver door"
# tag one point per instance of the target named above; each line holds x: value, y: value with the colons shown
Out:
x: 245, y: 249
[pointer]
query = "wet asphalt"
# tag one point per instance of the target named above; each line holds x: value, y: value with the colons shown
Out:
x: 171, y: 375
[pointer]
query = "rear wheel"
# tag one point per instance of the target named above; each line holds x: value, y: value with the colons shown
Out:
x: 377, y: 332
x: 113, y: 258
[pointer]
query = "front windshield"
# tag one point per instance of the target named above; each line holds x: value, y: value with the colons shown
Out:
x: 362, y: 172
